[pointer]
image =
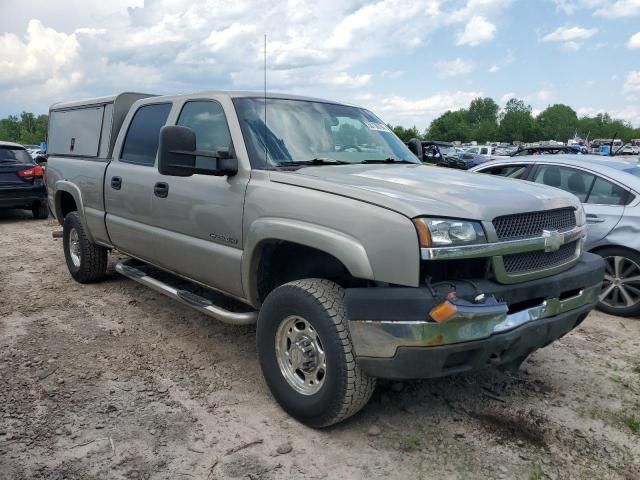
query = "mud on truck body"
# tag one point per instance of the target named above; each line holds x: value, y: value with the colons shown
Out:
x: 355, y: 261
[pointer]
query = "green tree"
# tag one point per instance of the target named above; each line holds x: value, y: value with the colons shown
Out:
x: 482, y: 110
x: 557, y: 122
x: 406, y: 134
x: 516, y: 122
x: 26, y: 129
x: 451, y: 126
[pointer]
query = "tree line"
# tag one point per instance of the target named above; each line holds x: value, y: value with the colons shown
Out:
x: 27, y: 129
x: 484, y: 121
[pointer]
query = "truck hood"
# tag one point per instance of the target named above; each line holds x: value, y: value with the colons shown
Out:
x: 415, y: 190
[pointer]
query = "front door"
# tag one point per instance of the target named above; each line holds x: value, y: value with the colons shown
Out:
x: 129, y: 180
x: 199, y: 218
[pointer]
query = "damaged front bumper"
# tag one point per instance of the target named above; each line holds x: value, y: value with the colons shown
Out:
x: 394, y: 337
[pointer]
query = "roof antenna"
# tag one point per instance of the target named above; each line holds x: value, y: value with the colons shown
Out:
x: 266, y: 152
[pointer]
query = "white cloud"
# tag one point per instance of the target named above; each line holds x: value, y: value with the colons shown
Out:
x: 567, y: 34
x: 477, y: 30
x: 566, y: 6
x: 427, y: 107
x: 453, y: 68
x: 634, y: 41
x: 343, y: 79
x: 618, y: 8
x: 506, y: 97
x: 571, y: 46
x: 632, y: 85
x: 40, y: 56
x: 494, y: 68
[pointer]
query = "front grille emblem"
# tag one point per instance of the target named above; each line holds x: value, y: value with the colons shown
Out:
x: 553, y: 240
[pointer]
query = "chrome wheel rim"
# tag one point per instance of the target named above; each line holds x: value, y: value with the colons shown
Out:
x: 621, y: 284
x: 300, y: 355
x: 74, y: 247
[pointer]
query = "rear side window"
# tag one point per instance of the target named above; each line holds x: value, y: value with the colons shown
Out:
x: 568, y: 179
x: 141, y: 143
x: 206, y: 118
x: 607, y: 193
x: 14, y: 155
x: 510, y: 171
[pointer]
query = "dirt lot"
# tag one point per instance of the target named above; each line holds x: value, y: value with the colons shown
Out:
x: 115, y: 381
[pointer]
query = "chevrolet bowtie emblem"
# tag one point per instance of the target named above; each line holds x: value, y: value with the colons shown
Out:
x: 553, y: 240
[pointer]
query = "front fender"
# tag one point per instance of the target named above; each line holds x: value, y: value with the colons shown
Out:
x: 342, y: 246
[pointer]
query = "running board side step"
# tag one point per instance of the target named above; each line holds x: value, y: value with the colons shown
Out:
x: 197, y: 302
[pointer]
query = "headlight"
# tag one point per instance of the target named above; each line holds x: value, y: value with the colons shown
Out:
x: 444, y: 232
x: 581, y: 217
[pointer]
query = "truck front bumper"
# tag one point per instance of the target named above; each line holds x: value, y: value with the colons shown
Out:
x: 394, y: 337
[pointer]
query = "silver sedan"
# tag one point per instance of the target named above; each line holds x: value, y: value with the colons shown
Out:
x: 609, y: 189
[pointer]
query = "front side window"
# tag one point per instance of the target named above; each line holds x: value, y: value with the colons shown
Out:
x: 303, y: 131
x: 604, y: 192
x: 568, y: 179
x: 141, y: 143
x: 509, y: 171
x: 206, y: 118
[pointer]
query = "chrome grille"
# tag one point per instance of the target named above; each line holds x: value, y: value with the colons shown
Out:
x: 526, y: 225
x: 539, y: 260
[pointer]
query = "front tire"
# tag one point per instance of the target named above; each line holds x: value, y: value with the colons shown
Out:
x: 620, y: 293
x: 86, y: 261
x: 306, y: 353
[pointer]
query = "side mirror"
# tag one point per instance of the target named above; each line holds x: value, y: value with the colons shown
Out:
x: 177, y: 155
x: 416, y: 148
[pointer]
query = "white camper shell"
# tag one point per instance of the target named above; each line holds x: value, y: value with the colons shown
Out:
x: 88, y: 128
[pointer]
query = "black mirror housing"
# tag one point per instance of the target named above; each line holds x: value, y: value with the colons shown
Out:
x: 177, y: 155
x: 176, y: 151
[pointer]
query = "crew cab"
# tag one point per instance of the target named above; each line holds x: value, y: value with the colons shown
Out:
x: 311, y: 219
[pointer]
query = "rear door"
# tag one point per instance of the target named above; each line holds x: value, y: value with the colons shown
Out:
x: 604, y: 207
x: 198, y: 219
x: 603, y: 200
x: 129, y: 182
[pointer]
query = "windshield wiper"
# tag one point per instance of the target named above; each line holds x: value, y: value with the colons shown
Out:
x: 314, y: 161
x: 387, y: 160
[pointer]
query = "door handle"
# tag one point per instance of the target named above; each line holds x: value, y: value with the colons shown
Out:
x: 161, y: 189
x: 591, y: 218
x: 116, y: 183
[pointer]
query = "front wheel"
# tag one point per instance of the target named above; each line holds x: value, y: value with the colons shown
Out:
x: 306, y: 353
x: 620, y: 293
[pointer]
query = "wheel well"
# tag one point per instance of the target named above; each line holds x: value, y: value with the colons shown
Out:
x: 66, y: 204
x: 617, y: 247
x: 279, y: 262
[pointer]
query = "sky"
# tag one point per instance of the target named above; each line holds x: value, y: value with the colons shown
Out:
x: 407, y: 60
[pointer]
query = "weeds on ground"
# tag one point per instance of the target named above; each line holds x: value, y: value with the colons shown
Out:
x: 410, y: 443
x: 536, y: 473
x: 636, y: 369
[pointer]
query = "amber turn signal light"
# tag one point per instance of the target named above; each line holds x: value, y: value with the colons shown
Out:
x: 443, y: 312
x: 424, y: 235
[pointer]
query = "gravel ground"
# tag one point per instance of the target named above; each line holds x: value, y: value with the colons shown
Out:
x: 113, y: 380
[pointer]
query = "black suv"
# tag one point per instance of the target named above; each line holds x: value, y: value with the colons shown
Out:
x: 21, y: 181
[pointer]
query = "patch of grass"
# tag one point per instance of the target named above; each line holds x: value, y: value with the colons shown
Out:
x: 636, y: 369
x: 631, y: 421
x: 410, y: 443
x: 618, y: 379
x: 536, y: 472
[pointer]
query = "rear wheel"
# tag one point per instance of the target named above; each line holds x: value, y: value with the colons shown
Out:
x: 86, y: 261
x: 40, y: 212
x: 306, y: 353
x: 620, y: 293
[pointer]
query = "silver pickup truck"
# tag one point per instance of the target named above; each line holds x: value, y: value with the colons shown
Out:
x: 313, y: 220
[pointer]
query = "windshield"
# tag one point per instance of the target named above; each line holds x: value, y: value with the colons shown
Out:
x: 304, y: 131
x: 14, y: 155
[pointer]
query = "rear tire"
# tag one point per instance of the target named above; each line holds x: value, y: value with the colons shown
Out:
x: 306, y: 353
x: 86, y: 261
x: 620, y: 293
x: 40, y: 212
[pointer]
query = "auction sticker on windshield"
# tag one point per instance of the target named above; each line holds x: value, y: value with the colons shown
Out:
x: 380, y: 127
